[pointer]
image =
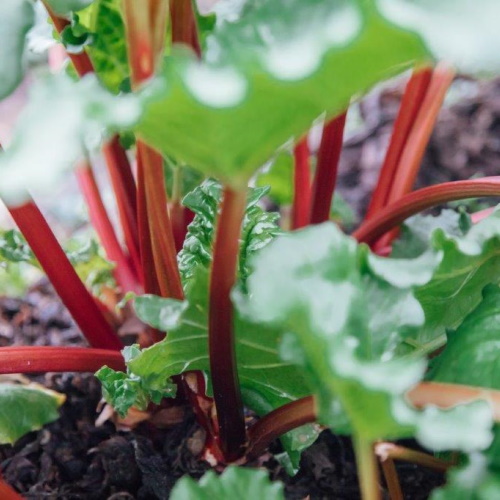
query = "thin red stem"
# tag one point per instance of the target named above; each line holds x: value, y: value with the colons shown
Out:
x: 184, y: 26
x: 302, y: 186
x: 100, y: 221
x: 221, y: 342
x: 410, y: 104
x: 279, y: 422
x: 28, y: 359
x: 326, y: 169
x: 413, y: 203
x: 63, y: 277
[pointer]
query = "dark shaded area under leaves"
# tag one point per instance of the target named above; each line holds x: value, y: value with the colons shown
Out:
x: 74, y: 459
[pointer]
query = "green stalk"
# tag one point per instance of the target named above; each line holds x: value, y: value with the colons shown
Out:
x: 221, y: 342
x: 367, y: 468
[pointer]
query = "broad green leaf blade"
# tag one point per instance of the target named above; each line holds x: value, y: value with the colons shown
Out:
x: 472, y: 353
x: 108, y: 48
x: 471, y: 482
x: 259, y: 228
x: 26, y: 408
x: 463, y: 32
x: 346, y: 311
x: 234, y: 483
x: 469, y: 263
x: 65, y: 7
x: 61, y: 122
x: 266, y: 77
x: 266, y: 381
x: 16, y: 19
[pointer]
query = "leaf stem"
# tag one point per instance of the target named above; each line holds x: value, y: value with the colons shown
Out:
x: 326, y: 169
x: 7, y: 492
x: 410, y: 105
x: 223, y: 367
x: 28, y: 359
x: 124, y: 274
x: 392, y: 215
x: 391, y: 479
x: 278, y: 422
x: 63, y: 277
x: 302, y: 185
x: 184, y: 26
x: 367, y: 468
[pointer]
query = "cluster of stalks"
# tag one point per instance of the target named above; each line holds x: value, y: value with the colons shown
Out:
x: 154, y: 227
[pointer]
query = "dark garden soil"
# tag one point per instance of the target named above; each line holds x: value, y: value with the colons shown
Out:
x: 73, y: 458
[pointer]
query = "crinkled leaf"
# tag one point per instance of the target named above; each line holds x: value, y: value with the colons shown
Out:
x: 266, y: 77
x: 16, y: 19
x: 259, y: 228
x: 62, y: 120
x: 463, y: 32
x: 471, y: 482
x: 15, y: 249
x: 92, y: 268
x: 346, y: 311
x: 469, y: 263
x: 124, y: 390
x: 25, y: 408
x: 234, y: 483
x: 104, y: 33
x: 266, y: 381
x: 65, y: 7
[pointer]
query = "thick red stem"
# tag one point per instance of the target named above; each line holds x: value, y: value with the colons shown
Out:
x: 184, y: 26
x: 223, y: 366
x: 327, y: 169
x: 410, y: 105
x: 413, y: 203
x: 100, y: 220
x: 278, y: 422
x: 28, y: 359
x: 7, y: 492
x: 160, y: 225
x: 63, y: 277
x: 302, y: 186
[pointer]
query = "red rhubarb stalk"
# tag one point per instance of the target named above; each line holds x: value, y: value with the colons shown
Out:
x: 301, y: 185
x: 7, y: 492
x: 223, y: 367
x: 412, y: 100
x: 184, y: 26
x: 279, y: 422
x: 63, y: 277
x: 101, y: 223
x: 28, y: 359
x: 413, y: 203
x: 327, y: 169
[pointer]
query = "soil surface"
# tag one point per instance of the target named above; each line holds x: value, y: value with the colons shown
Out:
x: 73, y: 458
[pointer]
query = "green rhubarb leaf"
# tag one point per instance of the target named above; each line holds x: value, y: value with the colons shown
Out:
x: 266, y: 381
x: 472, y: 354
x: 279, y: 177
x: 462, y: 32
x: 345, y: 311
x: 104, y: 35
x: 15, y: 249
x: 61, y: 122
x: 26, y: 408
x: 16, y: 19
x: 266, y: 77
x: 66, y: 7
x: 470, y: 262
x: 235, y: 482
x: 259, y: 228
x: 124, y: 390
x: 475, y: 481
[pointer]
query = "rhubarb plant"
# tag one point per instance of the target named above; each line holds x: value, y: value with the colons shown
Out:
x: 386, y: 333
